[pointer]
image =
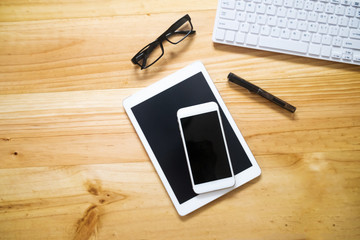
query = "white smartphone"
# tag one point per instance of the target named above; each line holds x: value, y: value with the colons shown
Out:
x: 205, y: 147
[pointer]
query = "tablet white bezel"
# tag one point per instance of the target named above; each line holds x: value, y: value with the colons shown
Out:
x: 160, y: 86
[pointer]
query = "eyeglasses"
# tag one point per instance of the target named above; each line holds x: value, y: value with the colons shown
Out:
x: 152, y: 52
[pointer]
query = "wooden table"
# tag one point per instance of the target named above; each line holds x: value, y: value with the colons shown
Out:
x: 72, y: 166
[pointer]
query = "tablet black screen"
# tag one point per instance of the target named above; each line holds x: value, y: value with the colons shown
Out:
x: 158, y: 121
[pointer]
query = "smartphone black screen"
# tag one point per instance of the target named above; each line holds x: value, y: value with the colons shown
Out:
x: 206, y: 148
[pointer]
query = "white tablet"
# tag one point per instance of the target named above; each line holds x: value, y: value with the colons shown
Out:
x: 152, y: 112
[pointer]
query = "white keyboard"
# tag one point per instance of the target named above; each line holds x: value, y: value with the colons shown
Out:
x: 323, y: 29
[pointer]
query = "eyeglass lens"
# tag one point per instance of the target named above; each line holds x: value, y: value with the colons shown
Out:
x: 180, y: 33
x: 150, y: 54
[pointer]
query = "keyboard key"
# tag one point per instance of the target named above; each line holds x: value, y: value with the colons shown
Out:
x: 288, y: 3
x: 299, y: 4
x: 348, y: 51
x: 319, y: 7
x: 261, y: 19
x: 346, y: 2
x: 357, y: 13
x: 275, y: 32
x: 226, y: 24
x: 282, y: 44
x: 244, y: 27
x: 251, y: 39
x: 305, y: 37
x: 355, y: 3
x: 323, y: 28
x: 255, y: 28
x: 354, y: 23
x: 312, y: 16
x: 325, y: 51
x: 309, y: 5
x: 343, y: 21
x: 336, y: 53
x: 220, y: 34
x: 355, y: 33
x: 340, y: 10
x: 265, y: 30
x: 316, y: 38
x: 302, y: 15
x: 326, y: 40
x: 312, y: 27
x: 240, y: 37
x: 271, y: 10
x: 250, y: 7
x: 353, y: 44
x: 347, y: 57
x: 285, y: 33
x: 302, y: 25
x: 240, y: 5
x: 314, y: 49
x: 350, y: 11
x: 337, y: 41
x: 241, y: 17
x: 295, y: 35
x: 322, y: 18
x: 278, y: 3
x: 347, y: 54
x: 333, y: 19
x: 356, y: 57
x: 333, y: 30
x: 260, y: 8
x: 291, y: 13
x: 230, y: 36
x: 343, y: 32
x: 330, y: 8
x: 282, y: 22
x: 229, y: 4
x: 292, y: 24
x: 228, y: 14
x: 281, y: 12
x: 251, y: 17
x: 272, y: 21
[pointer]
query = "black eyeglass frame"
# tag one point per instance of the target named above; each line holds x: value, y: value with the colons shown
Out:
x: 145, y: 51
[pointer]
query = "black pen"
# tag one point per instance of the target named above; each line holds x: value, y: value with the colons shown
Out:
x: 255, y: 89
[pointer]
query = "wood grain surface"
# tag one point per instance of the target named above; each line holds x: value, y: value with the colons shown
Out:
x: 72, y: 166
